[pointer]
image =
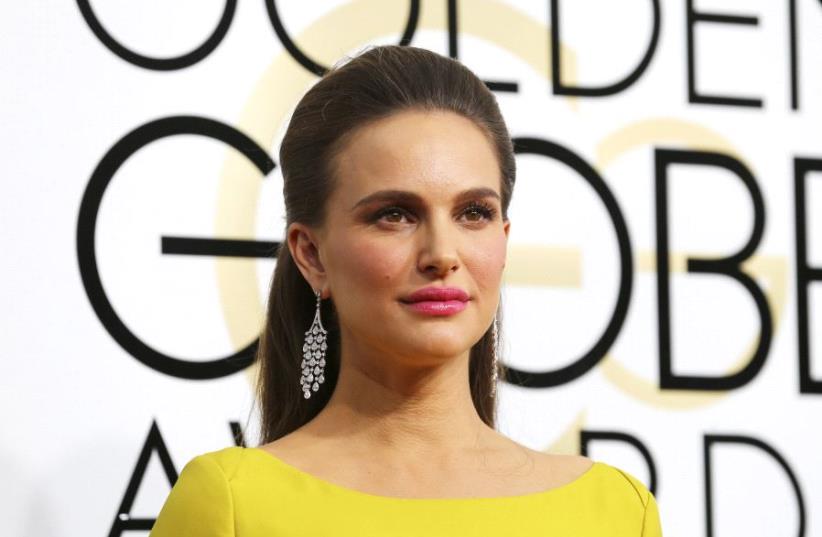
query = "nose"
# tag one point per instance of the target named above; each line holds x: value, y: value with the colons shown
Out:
x: 438, y: 253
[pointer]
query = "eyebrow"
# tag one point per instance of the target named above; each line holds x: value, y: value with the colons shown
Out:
x: 411, y: 197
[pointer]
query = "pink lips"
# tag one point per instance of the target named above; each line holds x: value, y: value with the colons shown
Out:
x: 437, y: 300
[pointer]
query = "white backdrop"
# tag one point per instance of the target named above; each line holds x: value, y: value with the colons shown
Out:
x: 86, y: 388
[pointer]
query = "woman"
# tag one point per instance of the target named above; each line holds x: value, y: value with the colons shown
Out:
x: 378, y: 360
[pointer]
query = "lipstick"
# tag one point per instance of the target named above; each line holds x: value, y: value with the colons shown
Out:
x: 434, y: 300
x: 437, y: 307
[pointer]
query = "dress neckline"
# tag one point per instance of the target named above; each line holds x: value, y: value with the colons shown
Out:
x: 576, y: 482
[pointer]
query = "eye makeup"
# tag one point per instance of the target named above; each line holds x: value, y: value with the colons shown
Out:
x: 483, y: 208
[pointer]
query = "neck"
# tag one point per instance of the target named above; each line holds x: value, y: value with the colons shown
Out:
x: 395, y: 406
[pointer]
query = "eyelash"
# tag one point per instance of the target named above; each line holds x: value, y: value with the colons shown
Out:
x: 485, y: 209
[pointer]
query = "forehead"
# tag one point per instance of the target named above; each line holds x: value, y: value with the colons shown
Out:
x: 432, y: 153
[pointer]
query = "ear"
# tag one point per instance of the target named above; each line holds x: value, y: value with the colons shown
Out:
x: 304, y: 247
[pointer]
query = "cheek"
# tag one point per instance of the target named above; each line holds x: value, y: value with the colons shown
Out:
x: 486, y: 259
x: 368, y: 264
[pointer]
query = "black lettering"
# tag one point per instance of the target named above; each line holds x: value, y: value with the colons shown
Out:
x: 453, y: 50
x: 561, y: 88
x: 159, y: 64
x: 805, y: 274
x: 728, y: 266
x: 314, y: 66
x: 86, y: 255
x: 710, y: 440
x: 794, y: 54
x: 546, y: 379
x: 692, y: 17
x: 123, y: 521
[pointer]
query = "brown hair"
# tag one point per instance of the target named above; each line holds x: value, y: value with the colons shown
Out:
x: 374, y: 84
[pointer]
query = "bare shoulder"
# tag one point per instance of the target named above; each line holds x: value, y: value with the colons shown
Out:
x: 553, y: 469
x: 572, y: 462
x: 572, y: 466
x: 561, y: 469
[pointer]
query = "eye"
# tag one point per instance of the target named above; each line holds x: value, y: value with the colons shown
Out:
x: 390, y: 212
x: 394, y: 214
x: 483, y: 209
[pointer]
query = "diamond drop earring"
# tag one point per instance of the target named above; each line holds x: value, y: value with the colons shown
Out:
x: 314, y: 346
x: 495, y: 361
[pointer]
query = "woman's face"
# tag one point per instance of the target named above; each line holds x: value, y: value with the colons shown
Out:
x: 416, y: 204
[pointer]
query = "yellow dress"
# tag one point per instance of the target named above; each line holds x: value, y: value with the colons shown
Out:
x: 248, y: 492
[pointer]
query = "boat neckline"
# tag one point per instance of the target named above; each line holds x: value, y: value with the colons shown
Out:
x: 576, y: 482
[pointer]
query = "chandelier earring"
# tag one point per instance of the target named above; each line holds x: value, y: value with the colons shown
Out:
x: 314, y: 347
